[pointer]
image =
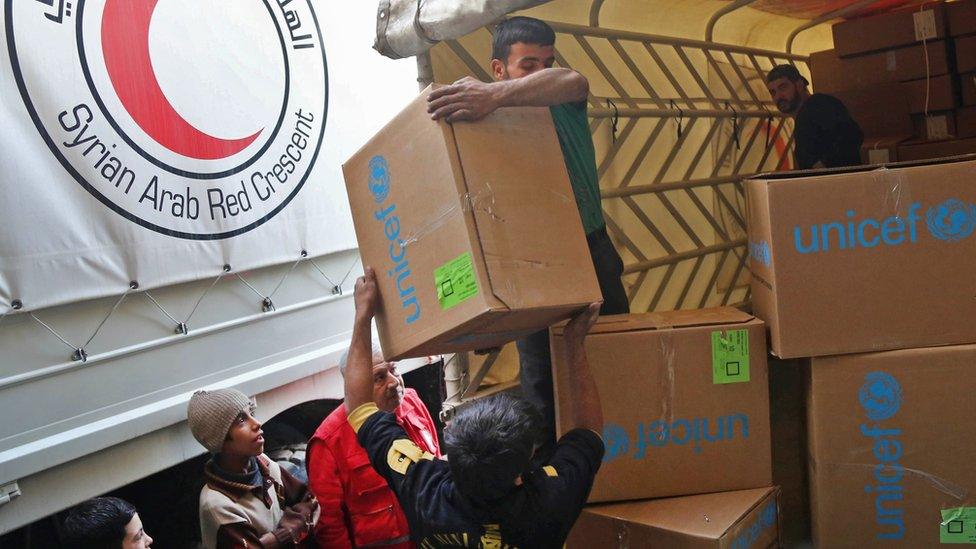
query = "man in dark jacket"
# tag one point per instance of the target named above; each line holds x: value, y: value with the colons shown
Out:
x: 826, y: 136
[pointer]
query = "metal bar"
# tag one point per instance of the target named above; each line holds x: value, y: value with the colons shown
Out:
x: 674, y: 258
x: 595, y: 12
x: 680, y: 220
x: 675, y: 149
x: 636, y: 288
x: 694, y: 73
x: 755, y: 65
x: 478, y: 377
x: 748, y: 148
x: 561, y: 61
x: 642, y: 154
x: 722, y: 12
x: 615, y: 148
x: 604, y: 70
x: 469, y: 61
x: 663, y: 187
x: 730, y: 207
x: 665, y: 70
x: 786, y: 152
x: 733, y: 96
x: 850, y: 8
x: 568, y: 28
x: 770, y: 147
x: 735, y: 277
x: 649, y: 225
x: 637, y: 73
x: 652, y: 306
x: 742, y: 77
x: 640, y: 112
x: 716, y: 166
x: 690, y: 282
x: 701, y: 150
x: 618, y: 234
x: 713, y: 279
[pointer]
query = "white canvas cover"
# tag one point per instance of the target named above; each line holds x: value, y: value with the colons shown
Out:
x: 407, y: 27
x: 158, y: 142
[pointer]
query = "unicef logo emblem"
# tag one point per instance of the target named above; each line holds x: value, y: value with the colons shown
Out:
x: 952, y: 220
x: 880, y: 396
x: 379, y: 178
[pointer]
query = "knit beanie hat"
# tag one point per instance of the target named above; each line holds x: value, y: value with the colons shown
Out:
x: 211, y: 414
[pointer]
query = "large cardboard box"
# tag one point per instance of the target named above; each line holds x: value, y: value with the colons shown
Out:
x: 921, y: 150
x: 936, y: 126
x: 884, y: 119
x: 865, y: 259
x: 830, y: 73
x: 930, y: 94
x: 472, y: 228
x: 962, y: 17
x: 966, y: 54
x: 685, y: 402
x: 966, y: 122
x: 889, y: 30
x: 891, y: 445
x: 968, y: 82
x: 726, y: 520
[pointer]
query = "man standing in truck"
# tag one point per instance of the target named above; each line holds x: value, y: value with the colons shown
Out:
x: 523, y: 55
x: 826, y: 135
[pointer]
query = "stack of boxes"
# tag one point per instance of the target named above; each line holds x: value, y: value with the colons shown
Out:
x: 685, y: 400
x: 867, y: 276
x: 906, y: 78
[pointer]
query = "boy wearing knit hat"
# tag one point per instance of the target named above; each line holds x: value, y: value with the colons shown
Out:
x: 248, y: 500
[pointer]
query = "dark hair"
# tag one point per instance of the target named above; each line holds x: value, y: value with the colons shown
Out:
x: 490, y: 443
x: 527, y: 30
x: 98, y: 523
x: 789, y: 72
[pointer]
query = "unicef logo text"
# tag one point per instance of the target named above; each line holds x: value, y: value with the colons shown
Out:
x: 880, y: 396
x: 952, y: 220
x: 379, y: 178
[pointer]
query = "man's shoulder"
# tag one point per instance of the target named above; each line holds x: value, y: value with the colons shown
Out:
x: 824, y: 101
x: 332, y: 424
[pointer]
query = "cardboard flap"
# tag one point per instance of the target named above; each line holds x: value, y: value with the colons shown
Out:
x: 778, y: 176
x: 555, y: 261
x: 665, y: 320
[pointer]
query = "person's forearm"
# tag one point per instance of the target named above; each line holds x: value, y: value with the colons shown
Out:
x: 541, y: 89
x: 359, y: 368
x: 587, y: 410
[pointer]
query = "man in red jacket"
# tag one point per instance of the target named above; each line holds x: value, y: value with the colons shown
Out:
x: 358, y: 508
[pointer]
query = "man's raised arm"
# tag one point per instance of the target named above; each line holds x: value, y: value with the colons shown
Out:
x: 587, y: 413
x: 359, y: 369
x: 472, y: 99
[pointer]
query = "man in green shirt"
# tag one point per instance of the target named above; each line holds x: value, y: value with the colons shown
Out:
x: 522, y: 57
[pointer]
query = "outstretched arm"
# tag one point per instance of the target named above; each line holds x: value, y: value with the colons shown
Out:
x: 587, y: 413
x: 359, y: 370
x: 472, y: 99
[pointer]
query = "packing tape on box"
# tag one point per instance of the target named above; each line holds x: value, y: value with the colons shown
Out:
x: 896, y: 194
x: 467, y: 202
x: 947, y: 487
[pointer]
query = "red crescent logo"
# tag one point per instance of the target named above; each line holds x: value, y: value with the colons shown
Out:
x: 125, y: 45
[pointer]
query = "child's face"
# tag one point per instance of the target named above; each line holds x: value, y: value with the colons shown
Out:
x: 245, y: 437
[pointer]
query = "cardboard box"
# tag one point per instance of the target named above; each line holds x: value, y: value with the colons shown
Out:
x: 938, y: 91
x: 937, y: 126
x: 864, y: 259
x: 727, y: 520
x: 891, y: 442
x: 889, y: 30
x: 472, y: 228
x: 966, y: 122
x: 787, y: 413
x: 968, y: 82
x: 966, y: 54
x: 880, y: 115
x: 685, y: 402
x: 830, y: 73
x: 961, y: 16
x: 921, y: 150
x: 881, y: 150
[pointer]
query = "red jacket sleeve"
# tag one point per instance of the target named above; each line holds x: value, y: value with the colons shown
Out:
x: 323, y: 479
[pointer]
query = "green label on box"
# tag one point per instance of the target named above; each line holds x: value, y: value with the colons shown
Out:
x: 958, y: 525
x: 455, y: 281
x: 730, y: 356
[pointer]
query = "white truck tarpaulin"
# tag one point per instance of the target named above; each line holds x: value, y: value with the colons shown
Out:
x: 405, y: 28
x: 160, y: 153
